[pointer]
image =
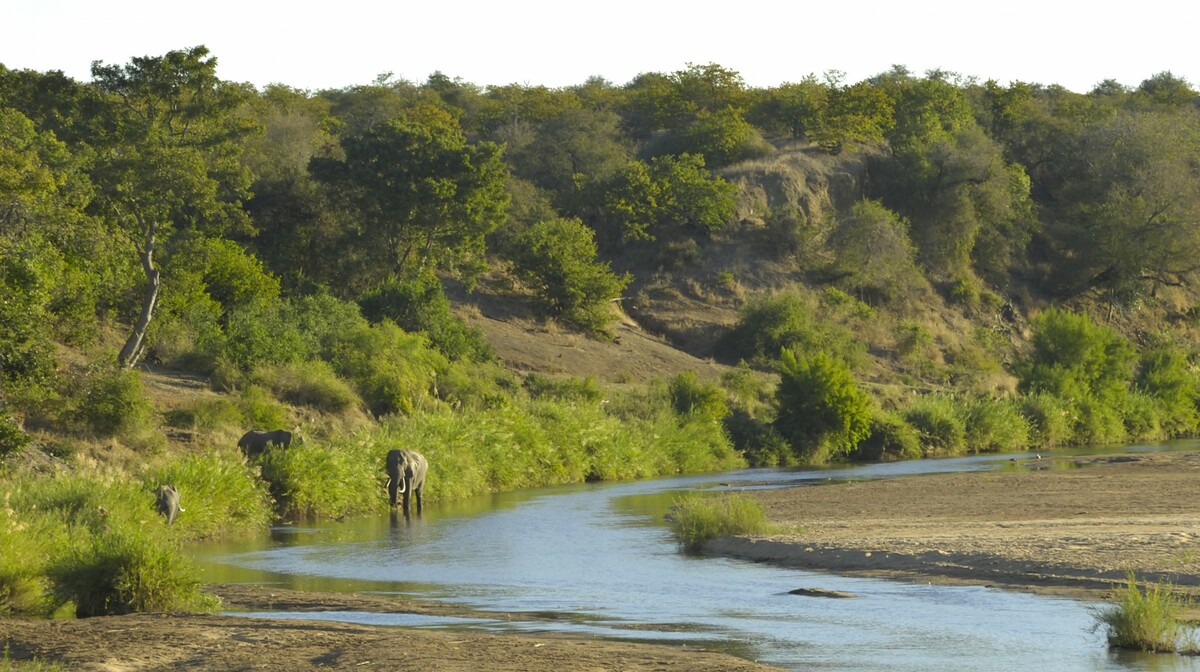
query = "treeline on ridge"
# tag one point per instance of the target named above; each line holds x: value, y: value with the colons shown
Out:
x: 294, y: 245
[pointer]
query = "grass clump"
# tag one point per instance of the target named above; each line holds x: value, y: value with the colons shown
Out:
x: 1145, y: 620
x: 695, y: 519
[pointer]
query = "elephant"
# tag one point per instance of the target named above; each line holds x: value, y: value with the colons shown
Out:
x: 406, y: 474
x: 255, y: 441
x: 167, y: 501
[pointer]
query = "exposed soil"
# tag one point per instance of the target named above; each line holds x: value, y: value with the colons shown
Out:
x: 1069, y: 526
x: 227, y: 643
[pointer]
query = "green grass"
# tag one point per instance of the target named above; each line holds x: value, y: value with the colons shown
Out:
x: 695, y: 519
x: 1145, y: 619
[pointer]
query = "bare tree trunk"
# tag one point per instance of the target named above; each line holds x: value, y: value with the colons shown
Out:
x: 134, y: 346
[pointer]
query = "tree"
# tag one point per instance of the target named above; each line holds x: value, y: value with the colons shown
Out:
x: 557, y: 258
x: 422, y: 195
x: 821, y: 410
x: 1130, y: 218
x: 874, y: 254
x: 799, y: 108
x: 168, y: 165
x: 669, y: 193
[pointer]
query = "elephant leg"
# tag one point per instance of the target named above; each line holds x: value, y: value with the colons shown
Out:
x: 393, y: 486
x: 407, y: 490
x: 420, y: 492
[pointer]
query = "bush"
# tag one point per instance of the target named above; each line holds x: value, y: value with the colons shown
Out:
x: 313, y: 384
x: 821, y: 410
x: 12, y: 438
x: 1074, y: 358
x: 771, y: 323
x: 563, y: 389
x: 758, y: 440
x: 940, y: 424
x: 1146, y: 620
x: 694, y: 398
x: 695, y: 519
x: 420, y: 304
x: 891, y: 438
x: 219, y: 493
x: 392, y: 370
x: 995, y: 426
x: 335, y: 480
x: 112, y: 402
x: 124, y: 568
x: 1051, y: 419
x: 557, y: 259
x: 260, y: 408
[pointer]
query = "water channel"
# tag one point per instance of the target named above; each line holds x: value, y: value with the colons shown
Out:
x: 597, y: 560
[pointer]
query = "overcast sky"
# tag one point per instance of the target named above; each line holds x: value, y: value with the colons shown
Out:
x: 340, y: 43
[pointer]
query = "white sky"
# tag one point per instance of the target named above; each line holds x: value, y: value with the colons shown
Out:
x: 338, y: 43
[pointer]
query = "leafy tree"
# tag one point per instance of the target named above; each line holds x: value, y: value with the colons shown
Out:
x: 857, y: 113
x: 770, y: 323
x: 822, y: 411
x: 423, y: 196
x: 169, y: 164
x: 670, y: 192
x: 571, y: 151
x: 722, y: 137
x: 692, y: 397
x: 1166, y: 375
x: 874, y: 254
x: 557, y: 258
x: 1129, y: 217
x: 798, y: 108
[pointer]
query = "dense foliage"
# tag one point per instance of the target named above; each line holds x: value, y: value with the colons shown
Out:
x: 908, y: 266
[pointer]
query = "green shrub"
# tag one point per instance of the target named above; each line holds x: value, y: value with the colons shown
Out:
x: 1074, y: 358
x: 1098, y: 422
x: 891, y: 438
x: 695, y: 519
x: 769, y: 324
x: 1051, y: 419
x: 263, y: 334
x: 12, y: 437
x: 419, y: 304
x: 1142, y: 416
x: 1166, y: 375
x: 392, y: 370
x: 995, y: 426
x: 694, y: 398
x: 124, y: 568
x: 218, y: 492
x: 821, y: 410
x: 313, y: 384
x: 758, y: 440
x: 563, y: 389
x: 333, y: 480
x: 1145, y: 620
x: 113, y: 402
x: 940, y: 424
x: 260, y: 408
x: 557, y: 260
x: 23, y: 551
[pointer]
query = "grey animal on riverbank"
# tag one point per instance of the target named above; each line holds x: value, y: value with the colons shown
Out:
x: 406, y: 474
x: 255, y: 441
x: 167, y: 501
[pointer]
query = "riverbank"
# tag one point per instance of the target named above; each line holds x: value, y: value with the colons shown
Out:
x: 1066, y: 526
x: 1069, y: 526
x: 232, y: 643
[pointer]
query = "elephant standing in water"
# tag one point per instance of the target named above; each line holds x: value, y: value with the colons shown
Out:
x: 406, y: 474
x: 167, y: 501
x: 255, y: 441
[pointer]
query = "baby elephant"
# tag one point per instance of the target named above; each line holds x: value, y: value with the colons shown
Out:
x: 255, y: 441
x: 167, y: 501
x: 406, y: 473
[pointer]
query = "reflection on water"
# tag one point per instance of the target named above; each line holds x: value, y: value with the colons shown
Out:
x: 598, y: 558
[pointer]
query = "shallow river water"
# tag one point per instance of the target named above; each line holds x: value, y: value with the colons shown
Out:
x: 597, y: 560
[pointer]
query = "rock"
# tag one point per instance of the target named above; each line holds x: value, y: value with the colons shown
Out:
x: 820, y: 592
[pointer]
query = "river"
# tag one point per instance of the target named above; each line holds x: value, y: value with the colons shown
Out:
x: 597, y: 560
